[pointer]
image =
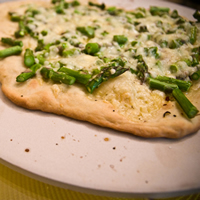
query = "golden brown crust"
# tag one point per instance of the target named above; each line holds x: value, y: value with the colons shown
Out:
x: 73, y: 101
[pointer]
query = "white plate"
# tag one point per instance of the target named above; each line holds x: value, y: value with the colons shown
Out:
x: 88, y: 158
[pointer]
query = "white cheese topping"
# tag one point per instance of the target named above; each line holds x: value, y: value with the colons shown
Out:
x: 160, y: 40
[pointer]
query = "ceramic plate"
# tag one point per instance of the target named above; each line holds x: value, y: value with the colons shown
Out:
x: 87, y: 158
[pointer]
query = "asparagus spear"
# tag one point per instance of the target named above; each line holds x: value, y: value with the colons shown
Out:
x: 180, y: 20
x: 15, y: 17
x: 196, y: 15
x: 174, y: 14
x: 41, y: 58
x: 163, y: 43
x: 24, y: 76
x: 142, y: 28
x: 195, y: 56
x: 57, y: 76
x: 193, y: 34
x: 88, y: 31
x: 182, y: 85
x: 22, y: 30
x: 44, y: 32
x: 133, y: 43
x: 176, y: 43
x: 60, y: 7
x: 155, y: 10
x: 92, y: 48
x: 142, y: 68
x: 166, y: 87
x: 139, y: 14
x: 163, y: 86
x: 195, y: 76
x: 56, y: 1
x: 15, y: 50
x: 173, y: 68
x: 32, y: 12
x: 101, y: 6
x: 69, y: 52
x: 120, y: 39
x: 189, y: 109
x: 74, y: 3
x: 114, y: 11
x: 152, y: 51
x: 80, y: 76
x: 111, y: 71
x: 40, y: 45
x: 12, y: 42
x: 29, y: 58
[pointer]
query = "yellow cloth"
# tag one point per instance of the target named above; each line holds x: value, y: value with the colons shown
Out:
x: 16, y: 186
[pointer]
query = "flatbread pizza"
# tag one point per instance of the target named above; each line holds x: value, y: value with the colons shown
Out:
x: 133, y: 71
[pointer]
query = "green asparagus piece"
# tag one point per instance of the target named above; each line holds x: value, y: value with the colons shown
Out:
x: 106, y: 73
x: 193, y: 34
x: 189, y: 109
x: 195, y: 56
x: 15, y: 50
x: 174, y: 14
x: 101, y: 6
x: 163, y: 86
x: 171, y: 30
x: 142, y: 68
x: 40, y: 45
x: 60, y: 7
x: 45, y: 72
x: 22, y: 30
x: 12, y: 42
x: 87, y: 31
x: 176, y: 43
x: 114, y: 11
x: 92, y: 48
x: 139, y: 15
x: 56, y: 1
x: 142, y: 28
x: 74, y: 3
x: 44, y: 32
x: 133, y: 43
x: 152, y: 51
x: 32, y: 12
x: 159, y: 24
x: 29, y: 58
x: 180, y: 20
x: 188, y: 61
x: 57, y: 76
x: 173, y: 68
x: 196, y: 15
x: 182, y: 85
x: 163, y: 43
x: 24, y: 76
x: 41, y: 58
x: 154, y: 10
x: 15, y: 17
x: 195, y: 76
x: 120, y: 39
x: 69, y: 52
x: 80, y: 76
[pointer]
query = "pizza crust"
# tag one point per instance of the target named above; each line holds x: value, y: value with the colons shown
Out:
x: 75, y: 102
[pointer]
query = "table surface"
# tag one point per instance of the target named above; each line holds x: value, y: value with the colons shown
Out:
x: 14, y: 185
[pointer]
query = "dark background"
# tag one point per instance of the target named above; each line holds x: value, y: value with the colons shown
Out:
x: 189, y: 3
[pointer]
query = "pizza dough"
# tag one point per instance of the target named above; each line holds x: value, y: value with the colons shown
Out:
x: 121, y: 103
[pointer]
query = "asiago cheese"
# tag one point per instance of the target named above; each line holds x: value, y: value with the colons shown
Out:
x: 96, y: 64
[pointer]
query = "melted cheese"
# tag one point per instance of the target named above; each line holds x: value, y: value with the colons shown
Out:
x: 126, y: 93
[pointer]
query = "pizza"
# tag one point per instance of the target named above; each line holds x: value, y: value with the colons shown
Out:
x: 134, y: 71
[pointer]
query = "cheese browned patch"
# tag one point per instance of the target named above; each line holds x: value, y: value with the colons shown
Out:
x: 99, y: 42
